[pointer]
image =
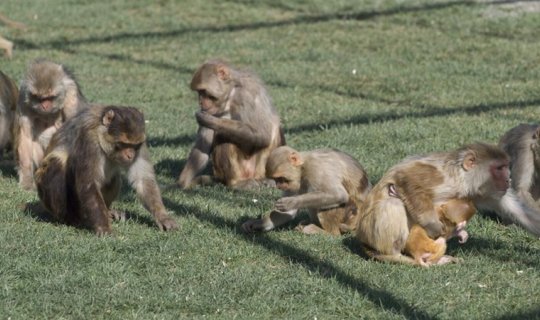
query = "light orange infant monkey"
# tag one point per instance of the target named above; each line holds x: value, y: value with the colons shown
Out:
x: 454, y: 215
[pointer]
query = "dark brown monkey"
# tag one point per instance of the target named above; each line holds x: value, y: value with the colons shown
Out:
x: 238, y: 127
x: 475, y: 172
x: 522, y: 143
x: 454, y: 215
x: 81, y: 173
x: 8, y: 102
x: 329, y: 183
x: 49, y: 95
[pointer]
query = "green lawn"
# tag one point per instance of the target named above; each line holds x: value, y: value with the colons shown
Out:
x: 378, y: 79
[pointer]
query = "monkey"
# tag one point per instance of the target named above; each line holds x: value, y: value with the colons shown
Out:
x: 454, y: 214
x: 474, y: 172
x: 9, y: 94
x: 5, y: 44
x: 80, y: 175
x: 522, y: 143
x: 238, y: 128
x: 328, y: 182
x: 48, y: 96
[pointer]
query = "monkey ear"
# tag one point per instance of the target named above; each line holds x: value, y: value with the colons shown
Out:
x: 223, y: 72
x: 469, y: 161
x: 295, y: 159
x: 108, y: 117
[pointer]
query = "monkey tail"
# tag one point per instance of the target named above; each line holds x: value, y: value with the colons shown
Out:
x: 518, y: 208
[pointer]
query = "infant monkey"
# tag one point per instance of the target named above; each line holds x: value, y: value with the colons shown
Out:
x: 454, y: 215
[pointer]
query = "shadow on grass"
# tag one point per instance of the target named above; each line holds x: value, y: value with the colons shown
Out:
x: 532, y: 314
x: 325, y: 269
x: 305, y: 19
x: 8, y: 168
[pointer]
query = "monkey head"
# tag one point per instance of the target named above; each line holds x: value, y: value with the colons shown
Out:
x: 124, y: 134
x: 284, y: 166
x: 486, y: 169
x: 213, y: 83
x: 48, y: 85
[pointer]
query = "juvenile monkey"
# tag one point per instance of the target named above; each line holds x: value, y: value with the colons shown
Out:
x: 81, y: 173
x: 238, y: 128
x: 49, y: 95
x: 8, y: 102
x: 477, y: 172
x: 328, y: 182
x: 522, y: 143
x: 454, y: 215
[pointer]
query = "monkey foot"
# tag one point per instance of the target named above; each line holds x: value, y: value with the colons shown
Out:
x: 117, y: 215
x: 448, y: 259
x: 166, y: 224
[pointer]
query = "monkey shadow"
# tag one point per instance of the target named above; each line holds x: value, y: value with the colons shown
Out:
x: 8, y: 168
x: 169, y: 167
x: 350, y: 242
x: 499, y: 250
x: 178, y: 141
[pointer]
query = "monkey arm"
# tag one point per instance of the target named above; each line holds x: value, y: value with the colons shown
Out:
x: 24, y: 146
x: 312, y: 200
x: 141, y: 176
x: 198, y: 157
x: 242, y: 133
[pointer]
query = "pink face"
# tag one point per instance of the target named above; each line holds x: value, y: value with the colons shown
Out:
x: 500, y: 173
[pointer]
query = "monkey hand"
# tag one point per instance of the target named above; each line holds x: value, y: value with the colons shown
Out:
x: 253, y: 225
x: 462, y: 236
x: 205, y: 119
x: 286, y: 204
x: 27, y: 183
x: 166, y: 223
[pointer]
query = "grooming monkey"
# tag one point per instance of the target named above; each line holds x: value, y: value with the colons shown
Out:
x: 476, y: 172
x: 81, y: 173
x: 49, y: 95
x: 522, y: 143
x: 238, y: 128
x: 8, y: 102
x: 328, y: 182
x: 454, y: 215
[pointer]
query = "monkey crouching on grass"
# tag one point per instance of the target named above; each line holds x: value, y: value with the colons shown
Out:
x: 80, y: 175
x: 329, y: 183
x: 476, y: 172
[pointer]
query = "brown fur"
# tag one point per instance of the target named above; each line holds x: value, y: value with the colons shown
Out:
x: 385, y: 220
x: 426, y: 251
x: 8, y: 103
x: 329, y: 183
x: 238, y: 128
x: 45, y: 84
x: 81, y: 174
x: 5, y: 44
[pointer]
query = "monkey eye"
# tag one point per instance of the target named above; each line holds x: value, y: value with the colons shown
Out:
x: 204, y: 94
x: 280, y: 180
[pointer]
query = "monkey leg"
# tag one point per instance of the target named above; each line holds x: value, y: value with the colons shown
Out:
x: 309, y: 228
x: 110, y: 193
x: 51, y: 187
x: 331, y: 220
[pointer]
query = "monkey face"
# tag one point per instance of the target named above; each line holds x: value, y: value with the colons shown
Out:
x: 46, y: 104
x: 207, y: 102
x: 287, y: 178
x: 124, y: 153
x: 500, y: 175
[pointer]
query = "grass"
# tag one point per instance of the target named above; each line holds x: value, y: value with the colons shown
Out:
x: 378, y: 79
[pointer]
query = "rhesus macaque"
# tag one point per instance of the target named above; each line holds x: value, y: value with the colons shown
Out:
x: 454, y: 215
x: 8, y: 102
x: 5, y: 44
x: 49, y: 95
x: 329, y: 183
x: 522, y: 143
x: 238, y: 127
x: 81, y: 173
x: 475, y: 172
